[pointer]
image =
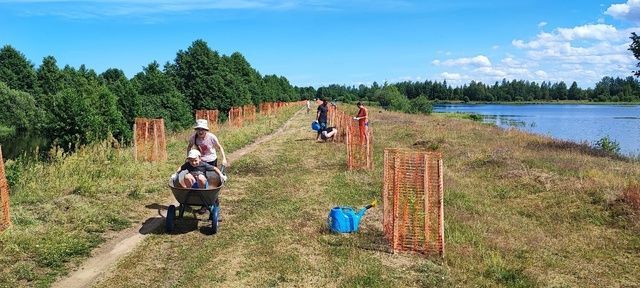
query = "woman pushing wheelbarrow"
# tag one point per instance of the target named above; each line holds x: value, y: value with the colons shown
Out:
x: 198, y: 181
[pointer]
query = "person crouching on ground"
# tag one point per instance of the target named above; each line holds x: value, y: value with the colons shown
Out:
x: 196, y: 168
x: 326, y: 134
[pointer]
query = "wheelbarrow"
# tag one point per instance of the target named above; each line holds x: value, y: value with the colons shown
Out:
x: 205, y: 197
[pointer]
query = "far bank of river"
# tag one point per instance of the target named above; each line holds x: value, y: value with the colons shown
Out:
x: 19, y: 143
x: 574, y: 122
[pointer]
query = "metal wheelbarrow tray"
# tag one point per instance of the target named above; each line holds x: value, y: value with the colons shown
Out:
x: 207, y: 197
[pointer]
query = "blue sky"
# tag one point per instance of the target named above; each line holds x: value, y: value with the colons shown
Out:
x: 321, y: 42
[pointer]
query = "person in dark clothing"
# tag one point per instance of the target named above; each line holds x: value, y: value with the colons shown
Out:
x: 193, y: 171
x: 321, y: 116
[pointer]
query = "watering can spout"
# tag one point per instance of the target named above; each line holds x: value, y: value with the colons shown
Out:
x: 373, y: 203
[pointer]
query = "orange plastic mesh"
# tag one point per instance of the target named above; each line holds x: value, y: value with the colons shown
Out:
x: 235, y: 116
x: 413, y: 191
x: 150, y: 141
x: 266, y: 108
x: 5, y: 217
x: 359, y: 148
x: 211, y: 116
x: 249, y: 113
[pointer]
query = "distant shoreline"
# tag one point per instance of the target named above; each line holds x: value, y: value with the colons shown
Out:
x: 536, y: 102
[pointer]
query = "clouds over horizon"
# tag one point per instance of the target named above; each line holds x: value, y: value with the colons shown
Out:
x: 629, y: 11
x: 584, y: 53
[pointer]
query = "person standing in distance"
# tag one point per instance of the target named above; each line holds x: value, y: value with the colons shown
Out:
x: 207, y: 143
x: 363, y: 122
x: 321, y: 116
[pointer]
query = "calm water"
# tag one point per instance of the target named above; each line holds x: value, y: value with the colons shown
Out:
x: 564, y: 121
x: 17, y: 144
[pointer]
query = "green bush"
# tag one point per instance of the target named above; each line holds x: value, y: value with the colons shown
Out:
x: 608, y: 145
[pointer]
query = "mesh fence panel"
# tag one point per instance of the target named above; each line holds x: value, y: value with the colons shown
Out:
x: 150, y: 141
x: 5, y: 218
x: 413, y: 207
x: 211, y: 116
x: 359, y: 146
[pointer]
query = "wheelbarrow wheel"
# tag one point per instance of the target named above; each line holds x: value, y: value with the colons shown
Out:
x: 171, y: 217
x: 215, y: 216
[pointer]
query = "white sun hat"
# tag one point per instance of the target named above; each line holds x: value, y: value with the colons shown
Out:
x: 202, y: 124
x: 193, y: 154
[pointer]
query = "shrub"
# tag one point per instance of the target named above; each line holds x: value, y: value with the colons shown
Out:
x: 608, y: 145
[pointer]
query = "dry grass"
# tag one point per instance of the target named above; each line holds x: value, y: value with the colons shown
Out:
x: 520, y: 211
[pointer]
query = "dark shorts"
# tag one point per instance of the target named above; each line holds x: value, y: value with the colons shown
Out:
x: 213, y: 163
x: 322, y: 126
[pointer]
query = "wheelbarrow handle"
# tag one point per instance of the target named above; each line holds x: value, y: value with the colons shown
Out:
x: 222, y: 169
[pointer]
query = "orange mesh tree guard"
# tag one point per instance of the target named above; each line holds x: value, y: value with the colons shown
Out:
x: 235, y: 116
x: 5, y: 218
x: 359, y: 151
x: 211, y: 116
x: 412, y: 197
x: 149, y: 140
x: 249, y: 113
x: 265, y: 109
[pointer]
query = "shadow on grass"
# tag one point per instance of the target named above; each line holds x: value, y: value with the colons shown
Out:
x: 188, y: 223
x: 370, y: 240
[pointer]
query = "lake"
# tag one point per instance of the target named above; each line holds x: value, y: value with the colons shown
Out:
x: 575, y: 122
x: 14, y: 145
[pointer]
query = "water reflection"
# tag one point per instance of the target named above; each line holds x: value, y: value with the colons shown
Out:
x: 573, y: 122
x: 20, y: 143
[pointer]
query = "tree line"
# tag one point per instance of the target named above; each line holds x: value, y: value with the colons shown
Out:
x: 608, y: 89
x: 75, y: 106
x: 78, y: 106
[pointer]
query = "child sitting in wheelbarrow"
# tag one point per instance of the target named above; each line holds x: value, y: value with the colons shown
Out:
x: 193, y: 172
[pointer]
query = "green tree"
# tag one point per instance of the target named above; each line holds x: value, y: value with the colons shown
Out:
x: 125, y: 92
x: 18, y: 109
x: 250, y: 78
x: 198, y: 76
x: 49, y: 76
x: 574, y: 92
x: 635, y: 49
x: 390, y: 98
x: 421, y: 105
x: 159, y: 98
x: 84, y: 111
x: 15, y: 70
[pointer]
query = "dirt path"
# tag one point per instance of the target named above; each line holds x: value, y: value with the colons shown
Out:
x: 106, y: 255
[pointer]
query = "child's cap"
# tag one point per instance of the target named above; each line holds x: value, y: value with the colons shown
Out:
x: 193, y: 154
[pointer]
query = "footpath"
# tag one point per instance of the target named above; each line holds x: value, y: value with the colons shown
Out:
x: 104, y: 258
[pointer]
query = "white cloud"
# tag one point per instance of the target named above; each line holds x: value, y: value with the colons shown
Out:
x: 451, y: 76
x: 629, y: 11
x: 541, y: 74
x: 590, y: 31
x: 479, y: 61
x: 542, y: 24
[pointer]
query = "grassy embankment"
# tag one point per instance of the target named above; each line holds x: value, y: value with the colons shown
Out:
x: 62, y: 210
x: 520, y: 210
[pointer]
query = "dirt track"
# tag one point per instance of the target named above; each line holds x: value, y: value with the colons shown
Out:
x: 106, y: 256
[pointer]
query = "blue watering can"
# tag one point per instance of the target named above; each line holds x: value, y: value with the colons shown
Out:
x: 345, y: 219
x: 315, y: 126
